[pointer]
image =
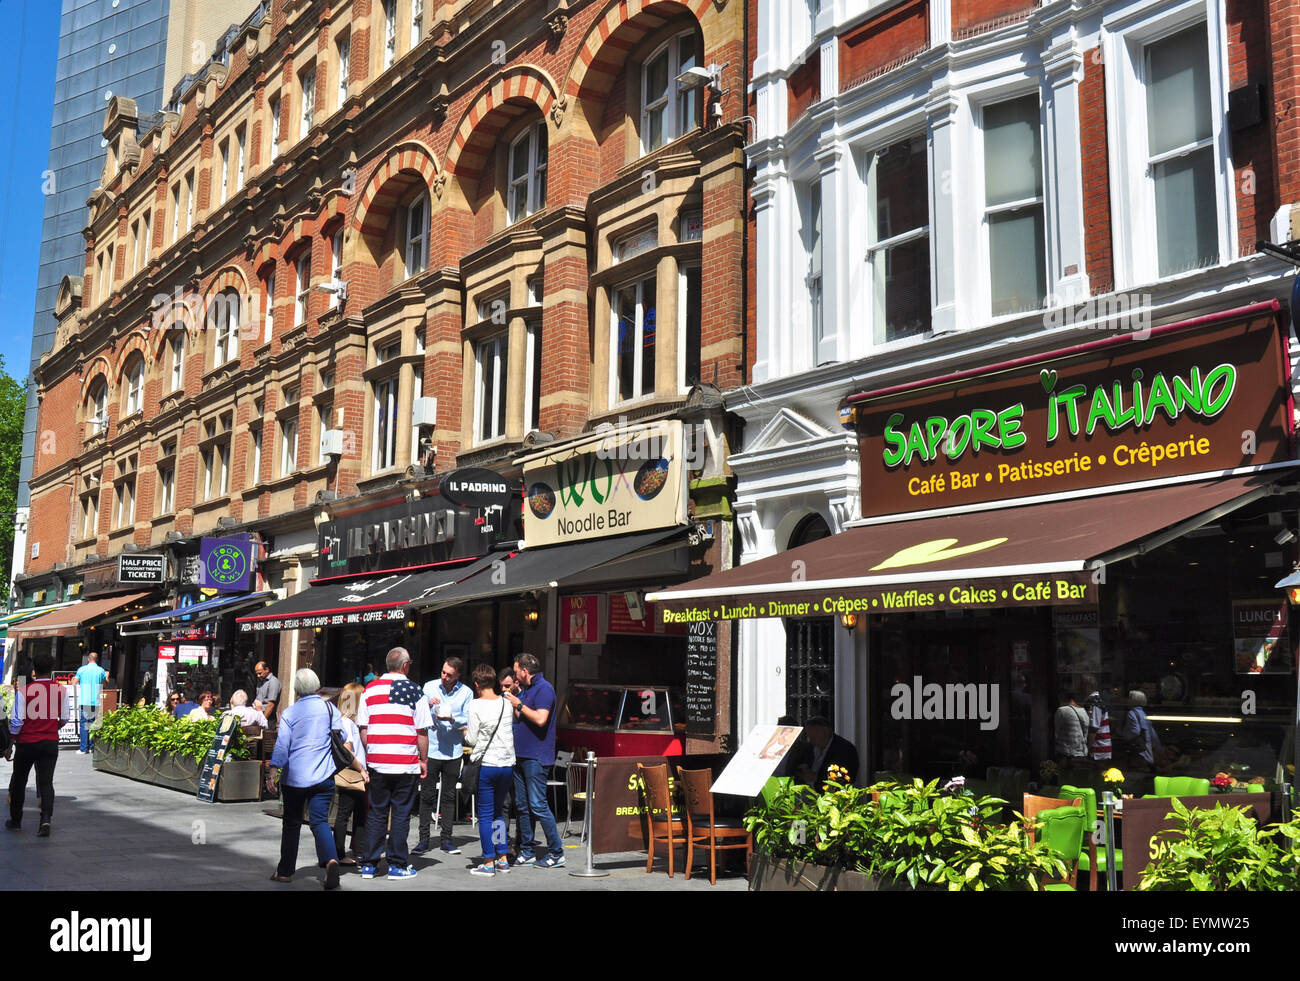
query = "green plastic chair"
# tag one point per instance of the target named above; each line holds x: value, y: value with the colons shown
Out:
x: 1062, y: 828
x: 1255, y: 788
x: 1181, y: 787
x: 1093, y: 859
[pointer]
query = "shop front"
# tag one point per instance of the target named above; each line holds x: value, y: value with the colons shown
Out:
x: 1110, y: 520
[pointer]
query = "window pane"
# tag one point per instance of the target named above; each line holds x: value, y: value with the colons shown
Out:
x: 1178, y: 91
x: 1186, y: 232
x: 693, y: 294
x: 1016, y: 260
x: 1013, y: 160
x: 902, y: 280
x: 656, y: 79
x: 519, y: 159
x: 648, y: 308
x: 625, y: 310
x: 535, y: 389
x: 655, y: 128
x: 503, y: 358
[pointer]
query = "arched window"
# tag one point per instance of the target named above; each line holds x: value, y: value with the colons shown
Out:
x: 223, y: 321
x: 668, y: 110
x: 97, y: 408
x: 528, y: 159
x: 134, y: 376
x: 176, y: 359
x: 414, y: 232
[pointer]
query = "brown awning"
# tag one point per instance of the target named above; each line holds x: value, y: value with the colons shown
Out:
x: 1053, y: 552
x: 69, y: 621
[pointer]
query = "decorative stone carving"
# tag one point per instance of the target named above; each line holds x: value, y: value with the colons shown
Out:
x: 440, y: 103
x: 439, y: 182
x: 557, y: 24
x: 558, y: 109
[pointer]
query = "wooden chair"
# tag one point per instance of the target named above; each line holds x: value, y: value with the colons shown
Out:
x: 703, y: 827
x: 661, y: 822
x: 1034, y: 806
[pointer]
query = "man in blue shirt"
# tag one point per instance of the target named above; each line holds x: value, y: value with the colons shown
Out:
x: 90, y: 679
x: 186, y: 706
x: 449, y: 705
x: 534, y: 756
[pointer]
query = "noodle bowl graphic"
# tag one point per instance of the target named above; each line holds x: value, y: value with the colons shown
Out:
x: 650, y: 479
x: 541, y: 500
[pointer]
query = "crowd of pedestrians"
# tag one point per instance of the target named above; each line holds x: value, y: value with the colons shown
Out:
x: 406, y: 748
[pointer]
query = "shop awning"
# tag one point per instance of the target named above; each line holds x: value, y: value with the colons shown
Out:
x: 184, y: 616
x: 21, y: 616
x: 1054, y: 552
x: 70, y: 620
x: 544, y: 568
x: 367, y: 599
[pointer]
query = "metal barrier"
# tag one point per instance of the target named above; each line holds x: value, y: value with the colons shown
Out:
x: 590, y: 872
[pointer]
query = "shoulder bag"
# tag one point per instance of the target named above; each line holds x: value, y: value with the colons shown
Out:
x: 470, y: 771
x: 342, y: 756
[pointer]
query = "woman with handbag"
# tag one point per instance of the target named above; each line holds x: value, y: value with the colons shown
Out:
x: 305, y: 751
x: 491, y: 731
x: 349, y: 784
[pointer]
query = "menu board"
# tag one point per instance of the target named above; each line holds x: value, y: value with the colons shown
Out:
x: 215, y: 757
x: 580, y: 620
x: 1259, y: 631
x: 701, y: 677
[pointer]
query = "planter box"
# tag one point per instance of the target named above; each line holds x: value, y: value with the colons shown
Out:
x: 779, y: 875
x: 240, y: 779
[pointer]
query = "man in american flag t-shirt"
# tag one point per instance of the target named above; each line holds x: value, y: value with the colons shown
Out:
x: 394, y: 721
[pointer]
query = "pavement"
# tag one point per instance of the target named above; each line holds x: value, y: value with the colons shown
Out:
x: 114, y: 833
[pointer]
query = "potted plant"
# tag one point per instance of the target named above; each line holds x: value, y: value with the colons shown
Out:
x: 1113, y: 778
x: 1223, y: 850
x: 149, y: 744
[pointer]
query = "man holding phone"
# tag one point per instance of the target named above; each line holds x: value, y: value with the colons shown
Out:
x: 449, y: 705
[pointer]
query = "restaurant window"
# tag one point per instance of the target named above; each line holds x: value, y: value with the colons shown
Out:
x: 528, y: 159
x: 491, y: 377
x: 135, y: 385
x: 898, y: 240
x: 1180, y: 151
x: 632, y: 362
x: 1013, y: 205
x: 667, y: 109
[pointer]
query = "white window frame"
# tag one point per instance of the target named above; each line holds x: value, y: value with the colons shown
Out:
x: 135, y: 387
x: 532, y: 353
x: 343, y: 53
x: 325, y: 419
x: 417, y: 21
x: 241, y: 140
x: 417, y: 392
x: 90, y: 515
x: 675, y: 99
x: 225, y: 169
x: 144, y: 237
x: 176, y: 212
x: 307, y: 90
x: 683, y: 289
x: 256, y: 432
x: 288, y: 445
x: 268, y: 322
x: 98, y: 421
x: 189, y: 202
x: 390, y: 33
x: 384, y: 430
x: 225, y: 346
x: 135, y: 247
x: 491, y: 354
x: 1001, y: 97
x: 223, y: 455
x: 1125, y: 37
x: 166, y: 488
x: 176, y: 349
x: 615, y: 397
x: 415, y: 241
x: 302, y: 287
x: 336, y: 264
x: 532, y: 183
x: 878, y: 249
x: 124, y: 515
x: 276, y: 107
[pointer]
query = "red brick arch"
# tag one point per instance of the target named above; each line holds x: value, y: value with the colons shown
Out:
x: 512, y: 94
x: 614, y: 35
x: 229, y: 278
x: 101, y: 367
x: 136, y: 342
x: 405, y: 167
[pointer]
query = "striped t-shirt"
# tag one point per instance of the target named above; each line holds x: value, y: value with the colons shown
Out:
x: 393, y: 712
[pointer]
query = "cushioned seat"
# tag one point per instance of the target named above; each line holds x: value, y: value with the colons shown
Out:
x: 1093, y: 858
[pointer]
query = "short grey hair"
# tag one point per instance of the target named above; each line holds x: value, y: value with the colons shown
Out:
x: 396, y: 658
x: 239, y: 698
x: 1137, y: 697
x: 305, y: 682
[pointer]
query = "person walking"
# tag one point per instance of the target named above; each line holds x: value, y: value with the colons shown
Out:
x: 534, y: 732
x: 351, y: 787
x: 448, y: 702
x: 90, y: 680
x: 490, y: 730
x: 303, y: 753
x: 40, y: 709
x: 394, y: 721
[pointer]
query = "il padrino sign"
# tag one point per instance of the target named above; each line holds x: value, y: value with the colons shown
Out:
x: 1203, y: 397
x: 619, y: 481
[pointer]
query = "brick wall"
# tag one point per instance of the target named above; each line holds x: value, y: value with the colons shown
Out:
x: 1096, y: 174
x: 969, y: 14
x: 1252, y: 148
x: 899, y: 32
x: 804, y: 86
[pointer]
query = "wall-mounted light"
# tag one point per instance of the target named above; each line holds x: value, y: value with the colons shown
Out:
x: 848, y: 620
x: 318, y: 630
x: 410, y: 624
x: 532, y: 611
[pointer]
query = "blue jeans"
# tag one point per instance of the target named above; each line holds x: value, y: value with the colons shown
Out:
x: 87, y: 717
x: 493, y: 834
x: 317, y: 799
x: 395, y: 791
x: 530, y: 799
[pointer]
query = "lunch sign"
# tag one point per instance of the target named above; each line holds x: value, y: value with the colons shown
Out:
x: 620, y: 481
x: 1191, y: 399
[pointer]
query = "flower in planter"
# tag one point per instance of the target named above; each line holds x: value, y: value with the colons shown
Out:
x: 836, y: 775
x: 957, y: 785
x: 1222, y: 783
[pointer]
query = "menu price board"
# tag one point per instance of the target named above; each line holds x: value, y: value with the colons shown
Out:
x: 701, y: 677
x: 214, y: 759
x: 1259, y: 632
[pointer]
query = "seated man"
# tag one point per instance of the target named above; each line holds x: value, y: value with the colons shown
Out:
x: 240, y: 710
x: 828, y: 750
x: 185, y: 707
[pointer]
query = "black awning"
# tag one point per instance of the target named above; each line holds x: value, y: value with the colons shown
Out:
x: 544, y: 568
x: 368, y: 599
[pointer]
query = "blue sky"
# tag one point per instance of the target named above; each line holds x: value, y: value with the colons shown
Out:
x: 26, y: 108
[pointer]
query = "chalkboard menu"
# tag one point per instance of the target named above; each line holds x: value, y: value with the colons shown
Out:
x: 701, y: 677
x: 216, y: 756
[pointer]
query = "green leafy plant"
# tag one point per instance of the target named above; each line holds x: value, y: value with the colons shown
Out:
x: 153, y: 729
x: 1222, y: 850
